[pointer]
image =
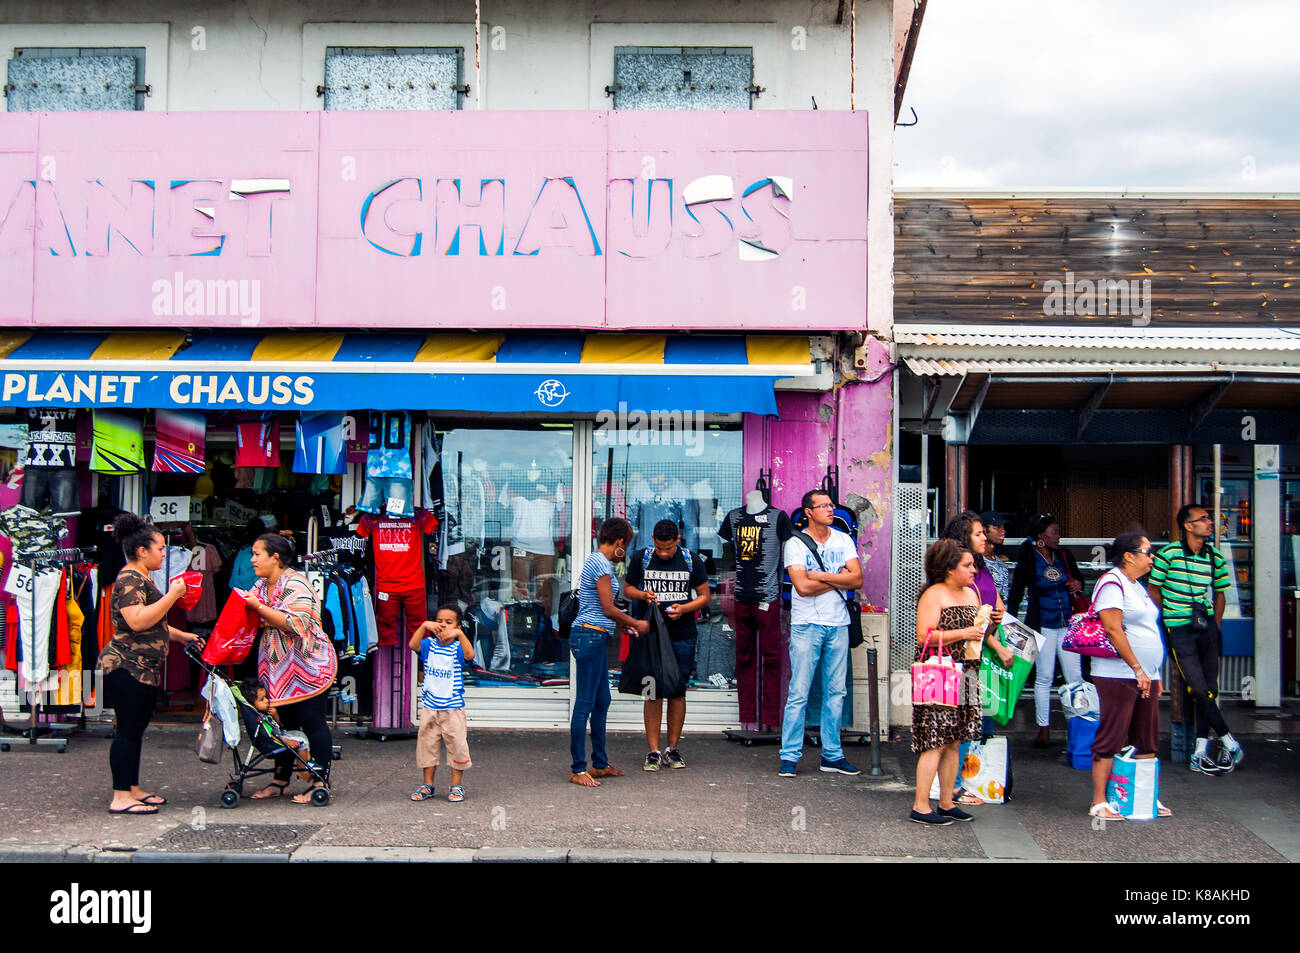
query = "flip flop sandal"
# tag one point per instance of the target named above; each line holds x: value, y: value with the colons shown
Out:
x: 584, y: 779
x: 423, y: 793
x: 1105, y: 811
x: 281, y: 789
x: 967, y: 798
x: 157, y: 800
x: 456, y: 793
x: 1162, y: 811
x: 132, y: 809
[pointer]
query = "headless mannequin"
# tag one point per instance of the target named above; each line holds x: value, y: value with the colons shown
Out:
x: 754, y: 502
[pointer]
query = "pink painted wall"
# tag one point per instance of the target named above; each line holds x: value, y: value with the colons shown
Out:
x: 131, y: 219
x: 851, y: 428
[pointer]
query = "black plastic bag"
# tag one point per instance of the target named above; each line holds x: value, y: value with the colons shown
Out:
x: 651, y: 668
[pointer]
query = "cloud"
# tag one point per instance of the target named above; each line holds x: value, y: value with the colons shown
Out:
x: 1194, y: 95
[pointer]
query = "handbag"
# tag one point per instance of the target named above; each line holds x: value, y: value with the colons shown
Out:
x: 208, y: 746
x: 936, y: 681
x: 234, y: 632
x: 1086, y: 635
x: 851, y: 602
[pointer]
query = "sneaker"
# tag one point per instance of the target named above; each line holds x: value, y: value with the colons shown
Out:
x: 839, y: 767
x: 673, y: 758
x: 1205, y: 765
x: 1227, y: 760
x: 787, y: 769
x: 651, y: 762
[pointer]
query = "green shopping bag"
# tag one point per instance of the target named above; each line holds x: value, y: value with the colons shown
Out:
x: 1000, y: 686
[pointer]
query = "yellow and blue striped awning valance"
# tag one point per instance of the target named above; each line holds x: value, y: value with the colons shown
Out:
x: 493, y: 372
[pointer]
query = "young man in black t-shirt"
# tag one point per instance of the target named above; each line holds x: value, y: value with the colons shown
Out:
x: 679, y: 583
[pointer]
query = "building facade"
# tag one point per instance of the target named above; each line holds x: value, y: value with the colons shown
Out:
x: 570, y: 262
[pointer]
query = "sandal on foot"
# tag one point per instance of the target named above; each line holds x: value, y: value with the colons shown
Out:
x: 139, y: 807
x: 608, y: 771
x: 274, y: 789
x: 157, y: 800
x: 456, y: 793
x: 584, y: 778
x: 967, y: 798
x: 1162, y: 811
x: 305, y: 796
x: 422, y: 793
x: 1107, y: 812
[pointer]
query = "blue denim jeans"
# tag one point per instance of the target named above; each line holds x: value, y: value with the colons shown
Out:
x: 810, y: 644
x: 591, y: 675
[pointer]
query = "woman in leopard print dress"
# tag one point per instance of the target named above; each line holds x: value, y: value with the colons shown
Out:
x: 946, y: 613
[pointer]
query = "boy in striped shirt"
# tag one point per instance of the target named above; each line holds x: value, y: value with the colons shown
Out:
x: 1182, y: 576
x: 444, y: 650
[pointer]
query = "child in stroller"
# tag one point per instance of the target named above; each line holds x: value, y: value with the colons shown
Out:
x: 263, y: 726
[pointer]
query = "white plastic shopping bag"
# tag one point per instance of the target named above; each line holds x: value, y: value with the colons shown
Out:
x: 1079, y: 700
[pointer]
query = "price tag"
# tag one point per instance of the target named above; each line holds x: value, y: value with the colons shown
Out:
x: 317, y: 580
x: 396, y: 506
x: 170, y: 509
x: 237, y: 514
x: 20, y: 581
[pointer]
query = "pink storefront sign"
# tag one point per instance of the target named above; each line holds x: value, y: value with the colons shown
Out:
x: 735, y: 221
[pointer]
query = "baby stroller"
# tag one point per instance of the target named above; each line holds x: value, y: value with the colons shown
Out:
x: 265, y: 740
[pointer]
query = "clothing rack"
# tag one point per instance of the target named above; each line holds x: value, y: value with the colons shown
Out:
x: 34, y: 731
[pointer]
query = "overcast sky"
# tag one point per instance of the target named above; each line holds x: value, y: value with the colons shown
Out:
x: 1105, y: 93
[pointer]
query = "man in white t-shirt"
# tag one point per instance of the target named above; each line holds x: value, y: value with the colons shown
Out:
x: 819, y: 631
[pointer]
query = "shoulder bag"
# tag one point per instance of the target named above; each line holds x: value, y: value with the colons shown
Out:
x: 855, y: 611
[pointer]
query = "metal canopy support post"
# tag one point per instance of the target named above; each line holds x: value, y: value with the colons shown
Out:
x: 1201, y: 409
x: 1268, y: 582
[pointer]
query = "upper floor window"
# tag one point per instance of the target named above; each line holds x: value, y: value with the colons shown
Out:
x: 53, y: 79
x: 665, y: 77
x: 393, y: 77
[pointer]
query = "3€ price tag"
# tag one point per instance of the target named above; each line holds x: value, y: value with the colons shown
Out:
x: 170, y: 509
x: 237, y: 514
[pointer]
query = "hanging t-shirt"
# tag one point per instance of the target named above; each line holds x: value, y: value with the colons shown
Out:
x: 444, y: 680
x: 672, y: 581
x: 176, y: 560
x: 207, y: 560
x: 319, y: 444
x: 533, y: 526
x: 399, y: 549
x: 117, y: 446
x: 757, y: 539
x: 390, y: 445
x: 257, y: 441
x: 179, y: 441
x: 828, y: 608
x: 30, y: 532
x: 51, y: 439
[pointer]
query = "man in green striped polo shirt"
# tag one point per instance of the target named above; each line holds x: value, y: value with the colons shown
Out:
x: 1182, y: 577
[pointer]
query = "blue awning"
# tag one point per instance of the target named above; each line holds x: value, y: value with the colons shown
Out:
x: 564, y: 374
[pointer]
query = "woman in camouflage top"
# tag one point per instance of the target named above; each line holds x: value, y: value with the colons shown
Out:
x: 132, y: 661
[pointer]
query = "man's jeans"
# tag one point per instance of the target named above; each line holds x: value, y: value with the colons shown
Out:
x: 810, y: 643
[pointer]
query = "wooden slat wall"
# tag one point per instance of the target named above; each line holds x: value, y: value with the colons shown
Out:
x: 1211, y: 261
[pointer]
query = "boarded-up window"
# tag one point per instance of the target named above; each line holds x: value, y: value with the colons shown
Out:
x: 653, y: 77
x: 393, y: 78
x: 75, y: 79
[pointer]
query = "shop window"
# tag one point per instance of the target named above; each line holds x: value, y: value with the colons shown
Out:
x: 508, y: 501
x: 653, y: 77
x: 694, y: 478
x: 393, y: 78
x: 73, y: 79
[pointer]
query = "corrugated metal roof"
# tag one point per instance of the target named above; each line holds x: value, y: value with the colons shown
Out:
x: 957, y: 367
x: 1147, y: 338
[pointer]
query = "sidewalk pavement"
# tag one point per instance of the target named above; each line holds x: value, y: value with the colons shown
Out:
x: 728, y: 805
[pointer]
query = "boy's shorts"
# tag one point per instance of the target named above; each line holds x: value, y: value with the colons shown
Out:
x: 448, y: 727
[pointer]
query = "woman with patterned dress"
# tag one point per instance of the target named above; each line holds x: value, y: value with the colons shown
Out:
x: 947, y: 615
x: 132, y: 661
x: 295, y: 659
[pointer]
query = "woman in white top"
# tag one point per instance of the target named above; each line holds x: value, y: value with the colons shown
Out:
x: 1128, y: 687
